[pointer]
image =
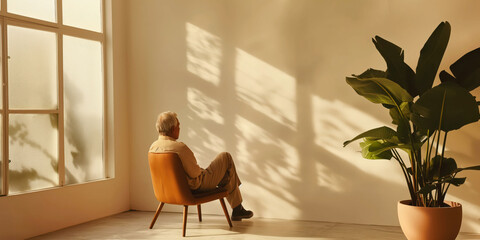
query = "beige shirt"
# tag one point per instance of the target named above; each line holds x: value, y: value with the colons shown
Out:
x: 190, y: 165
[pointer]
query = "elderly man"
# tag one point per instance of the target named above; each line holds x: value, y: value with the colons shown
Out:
x: 221, y: 171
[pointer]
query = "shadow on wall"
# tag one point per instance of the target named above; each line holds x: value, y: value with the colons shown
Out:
x: 267, y: 83
x: 287, y: 141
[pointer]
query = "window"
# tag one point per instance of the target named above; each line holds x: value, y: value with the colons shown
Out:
x: 52, y: 102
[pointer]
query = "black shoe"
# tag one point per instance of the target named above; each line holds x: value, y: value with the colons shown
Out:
x: 239, y: 215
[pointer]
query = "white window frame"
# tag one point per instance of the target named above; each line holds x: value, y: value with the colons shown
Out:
x: 10, y: 19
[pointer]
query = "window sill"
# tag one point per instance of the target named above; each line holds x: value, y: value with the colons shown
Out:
x: 58, y: 187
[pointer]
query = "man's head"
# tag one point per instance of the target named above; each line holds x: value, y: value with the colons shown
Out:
x: 168, y: 124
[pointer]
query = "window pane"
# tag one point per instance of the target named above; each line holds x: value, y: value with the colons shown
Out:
x: 33, y: 151
x: 32, y: 69
x: 83, y: 84
x: 40, y: 9
x: 85, y: 14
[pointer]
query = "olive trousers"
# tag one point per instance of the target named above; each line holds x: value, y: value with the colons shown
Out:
x: 222, y: 173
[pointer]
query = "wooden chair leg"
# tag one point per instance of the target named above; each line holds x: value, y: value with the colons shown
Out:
x: 226, y: 212
x: 199, y: 210
x: 160, y: 206
x: 185, y: 213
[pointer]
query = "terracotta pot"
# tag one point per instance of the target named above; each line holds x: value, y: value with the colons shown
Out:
x: 425, y: 223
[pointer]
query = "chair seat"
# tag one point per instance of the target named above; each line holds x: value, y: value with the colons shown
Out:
x: 207, y: 196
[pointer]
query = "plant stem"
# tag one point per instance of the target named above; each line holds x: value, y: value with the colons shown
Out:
x: 438, y: 189
x: 439, y: 186
x: 427, y: 166
x: 429, y: 157
x: 446, y: 190
x: 405, y: 173
x: 431, y: 146
x: 442, y: 195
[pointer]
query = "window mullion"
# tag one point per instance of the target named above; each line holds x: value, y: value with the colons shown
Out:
x: 61, y: 138
x: 4, y: 7
x: 5, y: 156
x: 32, y: 111
x: 61, y: 122
x: 105, y: 94
x: 25, y: 19
x: 59, y: 12
x: 82, y: 33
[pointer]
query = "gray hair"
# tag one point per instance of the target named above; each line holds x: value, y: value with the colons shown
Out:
x: 166, y: 121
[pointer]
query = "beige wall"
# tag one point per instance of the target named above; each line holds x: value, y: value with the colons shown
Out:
x: 31, y: 214
x: 265, y: 80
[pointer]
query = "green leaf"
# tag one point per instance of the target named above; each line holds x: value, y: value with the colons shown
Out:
x: 430, y: 57
x: 372, y: 73
x: 455, y: 181
x: 441, y: 167
x: 380, y: 90
x: 448, y: 104
x: 382, y: 149
x: 427, y: 189
x: 395, y: 114
x: 467, y: 70
x: 403, y: 128
x: 421, y: 135
x: 472, y: 81
x: 445, y: 77
x: 384, y: 133
x: 397, y: 70
x: 407, y: 146
x: 372, y: 149
x: 448, y: 167
x: 403, y: 131
x: 468, y: 168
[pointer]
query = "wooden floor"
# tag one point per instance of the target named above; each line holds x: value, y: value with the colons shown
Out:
x: 134, y: 225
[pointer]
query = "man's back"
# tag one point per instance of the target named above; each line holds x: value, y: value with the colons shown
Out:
x: 189, y: 162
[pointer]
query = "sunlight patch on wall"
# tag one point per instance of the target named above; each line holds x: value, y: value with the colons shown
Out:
x: 266, y: 89
x: 204, y: 54
x: 213, y: 142
x: 210, y: 146
x: 335, y: 122
x: 471, y: 212
x: 269, y: 165
x: 204, y: 106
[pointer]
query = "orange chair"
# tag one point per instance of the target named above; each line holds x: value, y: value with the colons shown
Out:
x: 170, y: 186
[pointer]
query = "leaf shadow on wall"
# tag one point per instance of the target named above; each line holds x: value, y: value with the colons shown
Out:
x: 267, y: 83
x: 285, y: 173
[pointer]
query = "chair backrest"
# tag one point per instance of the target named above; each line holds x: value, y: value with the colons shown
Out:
x: 169, y: 179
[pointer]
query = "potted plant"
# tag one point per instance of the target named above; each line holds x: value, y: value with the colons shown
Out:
x: 422, y: 115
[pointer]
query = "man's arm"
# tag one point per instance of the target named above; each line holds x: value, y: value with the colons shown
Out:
x: 189, y: 161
